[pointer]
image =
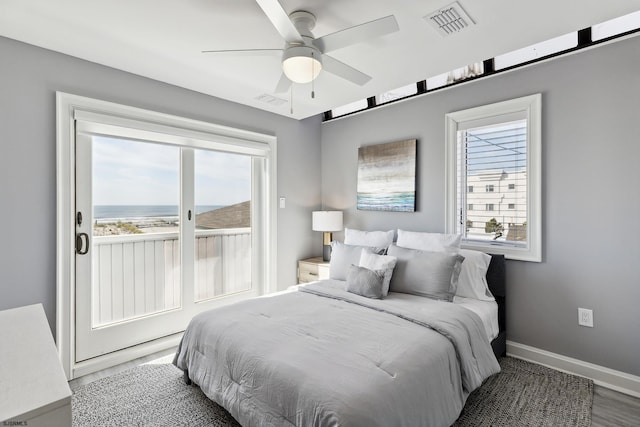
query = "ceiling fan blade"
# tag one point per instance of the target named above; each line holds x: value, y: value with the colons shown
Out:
x: 280, y: 20
x: 340, y: 69
x: 357, y: 34
x: 283, y: 84
x: 252, y: 52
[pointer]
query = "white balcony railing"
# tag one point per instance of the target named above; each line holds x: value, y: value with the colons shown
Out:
x: 139, y: 274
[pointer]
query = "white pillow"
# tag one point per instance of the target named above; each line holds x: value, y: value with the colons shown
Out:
x: 378, y: 239
x: 433, y: 242
x: 376, y: 262
x: 472, y: 282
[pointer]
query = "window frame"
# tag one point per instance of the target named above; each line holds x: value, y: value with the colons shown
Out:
x: 531, y: 107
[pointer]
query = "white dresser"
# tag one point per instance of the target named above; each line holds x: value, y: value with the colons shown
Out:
x: 33, y: 386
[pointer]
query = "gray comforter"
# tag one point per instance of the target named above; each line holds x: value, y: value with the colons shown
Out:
x: 326, y: 357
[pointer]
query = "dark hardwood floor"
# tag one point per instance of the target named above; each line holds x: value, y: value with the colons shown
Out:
x: 611, y: 408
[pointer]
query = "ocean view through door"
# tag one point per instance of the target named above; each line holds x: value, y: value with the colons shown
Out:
x: 164, y: 231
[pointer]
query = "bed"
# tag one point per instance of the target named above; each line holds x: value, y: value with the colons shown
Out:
x: 321, y: 355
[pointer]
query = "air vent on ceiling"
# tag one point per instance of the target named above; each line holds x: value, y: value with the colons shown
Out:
x: 271, y: 100
x: 449, y: 19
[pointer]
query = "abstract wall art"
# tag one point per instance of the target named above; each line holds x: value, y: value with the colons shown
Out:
x: 387, y: 177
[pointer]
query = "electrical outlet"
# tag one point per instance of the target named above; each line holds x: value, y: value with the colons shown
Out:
x: 585, y: 317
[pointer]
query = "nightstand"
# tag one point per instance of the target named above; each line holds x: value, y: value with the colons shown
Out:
x: 311, y: 269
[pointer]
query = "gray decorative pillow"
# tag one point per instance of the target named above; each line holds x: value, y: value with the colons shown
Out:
x: 365, y: 282
x: 424, y: 273
x: 342, y: 256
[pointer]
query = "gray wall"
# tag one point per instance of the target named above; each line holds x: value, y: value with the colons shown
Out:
x: 591, y: 199
x: 590, y: 177
x: 29, y: 78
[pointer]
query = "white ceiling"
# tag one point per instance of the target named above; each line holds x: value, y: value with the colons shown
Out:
x: 163, y: 40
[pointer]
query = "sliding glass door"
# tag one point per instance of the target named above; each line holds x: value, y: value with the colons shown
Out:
x: 163, y: 230
x: 222, y: 224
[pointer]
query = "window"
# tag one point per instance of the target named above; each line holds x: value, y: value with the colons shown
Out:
x: 616, y: 26
x: 470, y: 189
x: 437, y: 81
x: 454, y: 76
x: 535, y: 51
x: 496, y: 143
x: 512, y: 186
x: 349, y: 108
x: 470, y: 207
x: 398, y: 93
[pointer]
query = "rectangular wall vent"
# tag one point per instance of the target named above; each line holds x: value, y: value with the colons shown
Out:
x: 271, y: 100
x: 449, y: 19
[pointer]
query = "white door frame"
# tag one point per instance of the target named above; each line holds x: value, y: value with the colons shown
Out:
x: 68, y: 107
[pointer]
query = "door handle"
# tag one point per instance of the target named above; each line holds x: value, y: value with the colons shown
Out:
x: 80, y: 243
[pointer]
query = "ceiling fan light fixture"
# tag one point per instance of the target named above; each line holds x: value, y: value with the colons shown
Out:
x: 301, y: 64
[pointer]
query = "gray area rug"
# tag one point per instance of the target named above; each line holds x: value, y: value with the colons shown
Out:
x: 147, y: 395
x: 526, y: 394
x: 523, y: 394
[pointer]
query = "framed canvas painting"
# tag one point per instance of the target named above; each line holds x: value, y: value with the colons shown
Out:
x: 387, y: 177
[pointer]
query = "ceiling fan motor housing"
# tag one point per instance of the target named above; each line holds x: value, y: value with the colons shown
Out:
x: 304, y: 22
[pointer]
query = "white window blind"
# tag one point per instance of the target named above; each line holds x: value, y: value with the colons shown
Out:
x: 494, y: 156
x: 496, y: 148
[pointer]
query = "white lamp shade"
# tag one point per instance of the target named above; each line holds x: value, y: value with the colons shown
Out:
x: 301, y: 64
x: 326, y: 220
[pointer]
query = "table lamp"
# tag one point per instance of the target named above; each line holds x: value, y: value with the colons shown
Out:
x: 326, y: 221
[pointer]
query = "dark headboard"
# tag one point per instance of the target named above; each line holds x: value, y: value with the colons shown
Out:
x: 496, y: 276
x: 496, y: 279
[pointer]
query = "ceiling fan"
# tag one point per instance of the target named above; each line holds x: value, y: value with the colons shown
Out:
x: 303, y: 56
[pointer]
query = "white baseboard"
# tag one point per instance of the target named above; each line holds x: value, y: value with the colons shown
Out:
x: 609, y: 378
x: 108, y: 360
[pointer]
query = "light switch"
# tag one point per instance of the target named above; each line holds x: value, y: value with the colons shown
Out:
x: 282, y: 202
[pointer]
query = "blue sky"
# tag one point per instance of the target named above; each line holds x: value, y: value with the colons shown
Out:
x: 139, y: 173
